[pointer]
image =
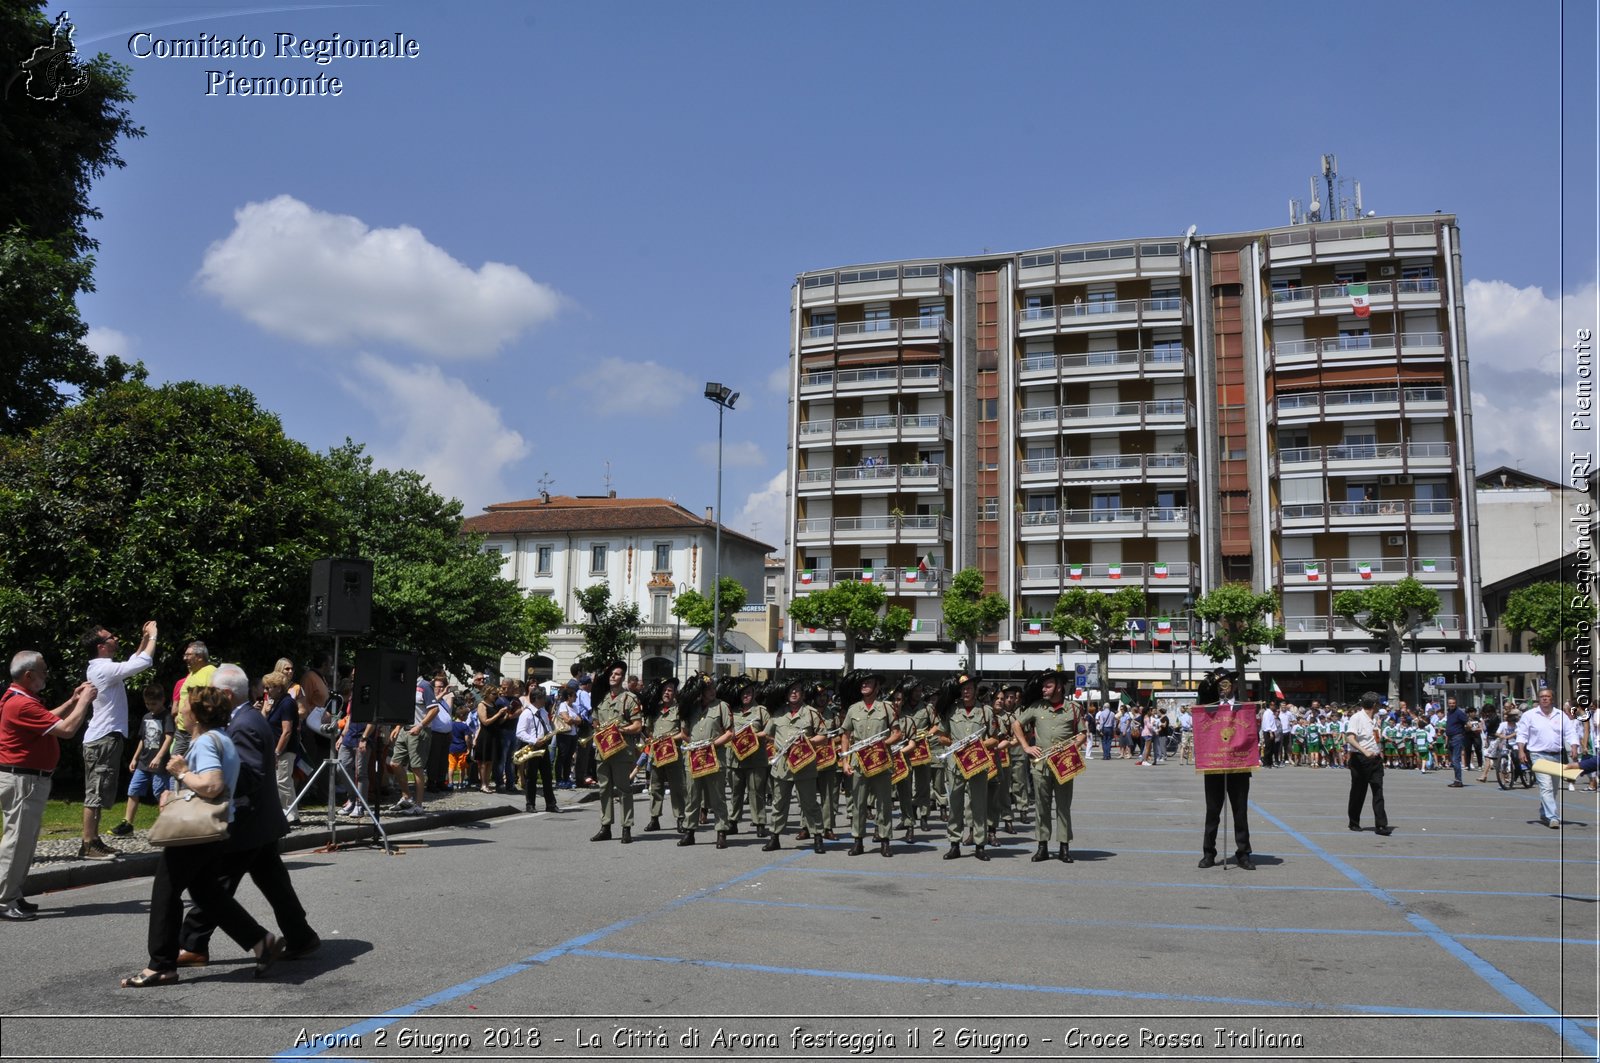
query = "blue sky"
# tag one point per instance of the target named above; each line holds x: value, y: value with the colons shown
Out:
x: 526, y: 250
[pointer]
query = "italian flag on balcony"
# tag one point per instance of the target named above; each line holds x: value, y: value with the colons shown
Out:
x: 1313, y: 571
x: 910, y: 575
x: 1036, y: 627
x: 1359, y: 301
x: 1430, y: 565
x: 1364, y: 570
x: 1114, y: 572
x: 922, y: 625
x: 1075, y: 572
x: 1159, y: 571
x: 808, y: 575
x: 866, y: 572
x: 1277, y: 691
x: 1164, y: 627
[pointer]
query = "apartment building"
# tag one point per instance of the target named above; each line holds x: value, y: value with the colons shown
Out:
x: 1287, y: 407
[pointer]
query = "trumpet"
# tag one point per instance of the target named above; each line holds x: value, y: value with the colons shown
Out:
x: 976, y: 736
x: 864, y: 743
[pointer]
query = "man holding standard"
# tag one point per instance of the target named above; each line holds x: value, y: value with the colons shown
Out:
x: 108, y: 727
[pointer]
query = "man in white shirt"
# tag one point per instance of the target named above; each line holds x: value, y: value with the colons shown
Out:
x: 1269, y: 736
x: 1186, y: 744
x: 107, y: 728
x: 1365, y: 759
x: 1546, y: 731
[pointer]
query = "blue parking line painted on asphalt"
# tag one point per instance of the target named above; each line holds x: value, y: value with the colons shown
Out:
x: 1054, y: 990
x: 1496, y: 979
x: 1015, y: 920
x: 393, y: 1015
x: 1232, y: 884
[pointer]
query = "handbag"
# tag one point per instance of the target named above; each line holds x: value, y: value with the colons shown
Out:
x: 189, y: 819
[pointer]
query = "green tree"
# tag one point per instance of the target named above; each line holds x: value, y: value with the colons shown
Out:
x: 51, y: 152
x: 1098, y: 621
x: 1555, y: 614
x: 1389, y: 611
x: 540, y: 616
x: 853, y: 610
x: 610, y: 631
x: 1238, y: 619
x: 969, y: 613
x: 695, y: 609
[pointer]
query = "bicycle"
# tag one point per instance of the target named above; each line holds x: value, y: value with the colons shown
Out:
x: 1509, y: 772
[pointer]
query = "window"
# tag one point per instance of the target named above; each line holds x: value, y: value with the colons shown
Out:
x: 542, y: 556
x: 663, y: 557
x: 988, y: 410
x: 1040, y: 503
x: 877, y: 318
x: 991, y: 508
x: 1034, y: 261
x: 1433, y: 490
x: 888, y: 273
x: 930, y: 270
x: 658, y: 609
x: 820, y: 281
x: 1159, y: 250
x: 597, y: 557
x: 930, y: 314
x: 822, y: 324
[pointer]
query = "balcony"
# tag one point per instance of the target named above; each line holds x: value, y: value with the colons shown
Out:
x: 917, y: 529
x: 1379, y: 457
x: 1151, y: 259
x: 1106, y: 468
x: 887, y: 380
x: 1346, y: 572
x: 1356, y: 350
x: 875, y: 332
x: 1136, y: 364
x: 1100, y: 416
x: 1163, y: 522
x: 1146, y: 633
x: 1311, y: 406
x: 873, y: 479
x: 1386, y: 515
x: 1101, y: 314
x: 899, y: 581
x: 1148, y: 575
x: 1302, y: 629
x: 1351, y: 240
x: 886, y: 428
x: 876, y: 282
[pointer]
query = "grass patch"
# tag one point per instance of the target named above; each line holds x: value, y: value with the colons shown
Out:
x: 64, y: 818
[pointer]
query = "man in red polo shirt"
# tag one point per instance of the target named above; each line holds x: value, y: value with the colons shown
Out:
x: 29, y: 749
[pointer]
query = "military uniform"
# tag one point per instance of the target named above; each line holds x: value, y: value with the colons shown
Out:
x: 706, y: 723
x: 674, y: 776
x: 1052, y: 725
x: 860, y: 723
x: 785, y: 728
x: 752, y: 775
x: 969, y: 798
x: 621, y: 709
x: 912, y: 791
x: 1000, y: 786
x: 828, y: 778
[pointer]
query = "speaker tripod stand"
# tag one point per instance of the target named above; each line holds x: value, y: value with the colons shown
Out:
x: 335, y: 771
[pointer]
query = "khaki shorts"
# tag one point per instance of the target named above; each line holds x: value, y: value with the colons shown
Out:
x: 411, y: 751
x: 102, y: 765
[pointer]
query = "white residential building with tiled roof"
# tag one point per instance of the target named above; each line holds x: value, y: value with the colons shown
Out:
x: 648, y: 550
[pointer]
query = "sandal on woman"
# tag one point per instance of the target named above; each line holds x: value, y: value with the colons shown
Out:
x: 271, y: 952
x: 147, y: 978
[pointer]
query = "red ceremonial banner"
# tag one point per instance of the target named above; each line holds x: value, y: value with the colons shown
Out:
x: 1226, y: 739
x: 664, y: 751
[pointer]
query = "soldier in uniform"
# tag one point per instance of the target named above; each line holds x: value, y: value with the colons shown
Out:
x: 662, y: 721
x: 794, y: 723
x: 752, y: 775
x: 1021, y: 775
x: 1235, y: 785
x: 621, y: 708
x: 705, y: 719
x: 963, y: 719
x: 820, y: 696
x: 911, y: 793
x: 868, y: 718
x: 1052, y: 720
x: 1006, y: 756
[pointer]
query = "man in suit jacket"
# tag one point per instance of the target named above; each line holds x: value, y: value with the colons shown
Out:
x: 258, y: 823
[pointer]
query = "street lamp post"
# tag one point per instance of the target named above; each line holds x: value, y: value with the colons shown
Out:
x: 724, y: 397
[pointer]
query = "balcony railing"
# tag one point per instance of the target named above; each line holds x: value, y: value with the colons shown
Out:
x: 1156, y: 574
x: 901, y: 580
x: 1367, y: 453
x: 1142, y: 629
x: 1164, y: 307
x: 1312, y: 401
x: 1163, y: 410
x: 1091, y: 363
x: 875, y: 330
x: 919, y: 528
x: 887, y: 377
x: 1387, y: 509
x: 1417, y: 344
x: 1119, y: 520
x: 920, y: 425
x: 1363, y: 569
x: 884, y: 477
x: 1118, y: 466
x: 1300, y: 628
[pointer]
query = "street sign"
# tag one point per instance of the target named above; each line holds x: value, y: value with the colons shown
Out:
x: 728, y: 658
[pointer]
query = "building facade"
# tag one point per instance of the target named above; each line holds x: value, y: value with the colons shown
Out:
x: 1287, y: 407
x: 648, y: 550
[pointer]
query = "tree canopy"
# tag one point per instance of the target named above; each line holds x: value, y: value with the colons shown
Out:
x: 609, y: 631
x: 695, y: 609
x: 969, y: 613
x: 853, y: 610
x: 1238, y: 619
x: 51, y: 152
x: 1389, y: 611
x: 1554, y: 614
x: 1098, y: 621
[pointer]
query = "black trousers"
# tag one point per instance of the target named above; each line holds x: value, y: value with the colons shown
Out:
x: 1236, y: 786
x: 538, y: 770
x: 202, y: 870
x: 265, y: 868
x: 1366, y: 773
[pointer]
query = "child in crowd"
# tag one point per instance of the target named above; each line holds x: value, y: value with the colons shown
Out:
x: 460, y: 745
x: 150, y: 779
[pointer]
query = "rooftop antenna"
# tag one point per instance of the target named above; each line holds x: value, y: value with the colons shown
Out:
x: 545, y: 483
x: 606, y: 479
x: 1315, y: 214
x: 1330, y: 174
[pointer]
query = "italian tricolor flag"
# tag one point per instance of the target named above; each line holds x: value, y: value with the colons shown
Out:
x: 1359, y: 301
x: 1430, y: 565
x: 1364, y: 570
x: 1164, y: 626
x: 808, y: 575
x: 866, y: 573
x: 1075, y: 572
x: 909, y: 575
x: 1035, y: 627
x: 1159, y: 572
x: 1114, y: 572
x: 1313, y: 571
x: 1277, y: 691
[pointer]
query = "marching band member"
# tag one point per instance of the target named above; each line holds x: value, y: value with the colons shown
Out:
x: 820, y: 697
x: 618, y: 713
x: 751, y: 772
x: 707, y: 723
x: 964, y: 723
x: 867, y: 719
x: 912, y: 716
x: 1054, y: 723
x: 664, y: 725
x: 792, y: 731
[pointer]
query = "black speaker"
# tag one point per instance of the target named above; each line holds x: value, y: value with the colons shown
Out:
x: 386, y: 687
x: 341, y: 596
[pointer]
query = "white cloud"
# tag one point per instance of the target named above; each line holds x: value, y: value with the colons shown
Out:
x: 328, y: 279
x: 462, y: 446
x: 1518, y: 364
x: 778, y: 380
x: 108, y: 342
x: 620, y: 386
x: 763, y: 514
x: 740, y: 455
